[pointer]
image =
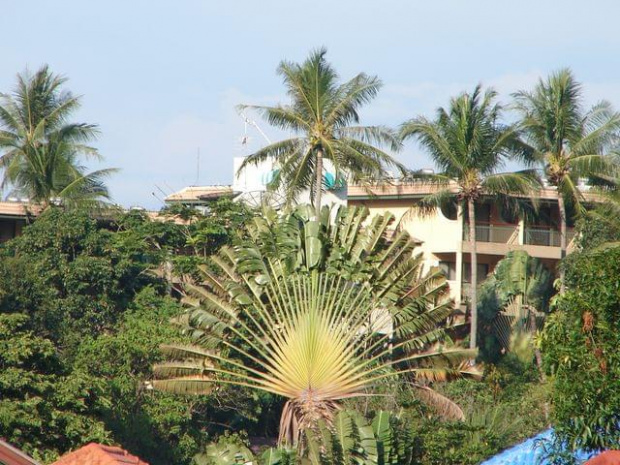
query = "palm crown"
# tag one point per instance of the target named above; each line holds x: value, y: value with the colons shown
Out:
x: 324, y: 115
x: 42, y: 149
x: 568, y: 142
x: 470, y: 145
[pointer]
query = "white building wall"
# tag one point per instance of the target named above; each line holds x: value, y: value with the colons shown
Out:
x: 254, y: 179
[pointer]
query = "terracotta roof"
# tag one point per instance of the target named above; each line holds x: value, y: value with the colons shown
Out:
x: 609, y: 457
x: 10, y: 455
x: 17, y: 209
x: 97, y: 454
x: 197, y: 193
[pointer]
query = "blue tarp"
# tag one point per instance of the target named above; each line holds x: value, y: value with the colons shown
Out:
x: 529, y: 452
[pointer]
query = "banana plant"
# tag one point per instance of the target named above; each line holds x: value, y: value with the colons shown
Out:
x: 351, y: 439
x: 315, y: 310
x: 224, y: 454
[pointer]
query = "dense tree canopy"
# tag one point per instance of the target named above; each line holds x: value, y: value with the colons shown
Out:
x: 83, y: 310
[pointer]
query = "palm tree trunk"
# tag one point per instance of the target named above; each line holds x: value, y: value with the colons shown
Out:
x: 318, y: 188
x: 473, y: 291
x: 562, y: 209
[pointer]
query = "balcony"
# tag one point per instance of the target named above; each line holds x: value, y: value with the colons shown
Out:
x: 546, y: 236
x: 499, y: 233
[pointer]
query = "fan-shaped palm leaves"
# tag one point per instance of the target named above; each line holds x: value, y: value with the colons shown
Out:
x: 469, y: 145
x: 569, y: 142
x: 322, y: 112
x: 41, y: 148
x: 313, y: 311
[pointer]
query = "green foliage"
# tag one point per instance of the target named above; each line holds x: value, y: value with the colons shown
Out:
x: 90, y: 304
x: 71, y: 276
x: 157, y: 427
x: 568, y: 142
x: 504, y: 409
x: 580, y: 346
x: 293, y: 311
x: 599, y: 226
x: 513, y: 302
x: 229, y: 449
x: 44, y: 408
x: 470, y: 146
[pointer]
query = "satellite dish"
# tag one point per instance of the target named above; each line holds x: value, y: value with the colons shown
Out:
x: 259, y: 199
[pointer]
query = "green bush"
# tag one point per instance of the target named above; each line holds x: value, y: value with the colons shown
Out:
x: 580, y: 345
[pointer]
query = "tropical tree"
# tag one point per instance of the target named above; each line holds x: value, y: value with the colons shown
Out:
x: 579, y: 344
x: 469, y: 144
x: 514, y: 303
x: 569, y: 142
x: 315, y: 312
x: 324, y: 115
x: 42, y: 149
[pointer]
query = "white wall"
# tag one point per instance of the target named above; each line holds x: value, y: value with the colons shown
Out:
x: 256, y: 178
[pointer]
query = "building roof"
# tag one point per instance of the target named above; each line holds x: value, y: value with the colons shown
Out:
x: 98, y: 454
x: 10, y: 455
x: 197, y: 194
x: 397, y: 189
x: 17, y: 209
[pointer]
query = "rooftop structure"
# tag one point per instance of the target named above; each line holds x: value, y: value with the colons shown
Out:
x: 13, y: 217
x: 198, y: 195
x: 251, y: 187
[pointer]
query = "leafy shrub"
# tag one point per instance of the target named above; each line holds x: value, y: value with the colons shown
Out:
x: 580, y: 343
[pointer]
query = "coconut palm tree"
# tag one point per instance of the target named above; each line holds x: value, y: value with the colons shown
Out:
x: 41, y: 149
x: 569, y: 143
x: 323, y: 114
x: 315, y: 312
x: 469, y: 144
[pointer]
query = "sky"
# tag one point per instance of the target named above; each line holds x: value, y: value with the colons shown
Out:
x: 162, y: 78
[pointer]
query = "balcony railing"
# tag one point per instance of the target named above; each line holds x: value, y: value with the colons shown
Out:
x: 494, y: 232
x: 545, y: 235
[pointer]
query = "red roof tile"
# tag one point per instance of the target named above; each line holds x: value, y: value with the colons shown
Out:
x: 97, y: 454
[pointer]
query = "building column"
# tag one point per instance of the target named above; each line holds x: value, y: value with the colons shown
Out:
x: 459, y: 277
x: 459, y: 258
x: 521, y: 231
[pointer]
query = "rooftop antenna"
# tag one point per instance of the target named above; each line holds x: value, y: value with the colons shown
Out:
x: 160, y: 190
x: 157, y: 197
x: 168, y: 186
x: 248, y: 122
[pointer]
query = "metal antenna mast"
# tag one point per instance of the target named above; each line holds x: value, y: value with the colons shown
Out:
x: 248, y: 121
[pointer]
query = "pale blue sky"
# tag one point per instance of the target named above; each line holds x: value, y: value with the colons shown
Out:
x: 161, y: 78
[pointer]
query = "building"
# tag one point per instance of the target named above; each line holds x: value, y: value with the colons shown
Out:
x: 13, y: 217
x: 199, y: 196
x: 444, y: 237
x: 251, y: 187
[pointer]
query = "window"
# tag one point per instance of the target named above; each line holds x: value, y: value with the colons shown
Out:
x: 448, y: 269
x: 483, y: 271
